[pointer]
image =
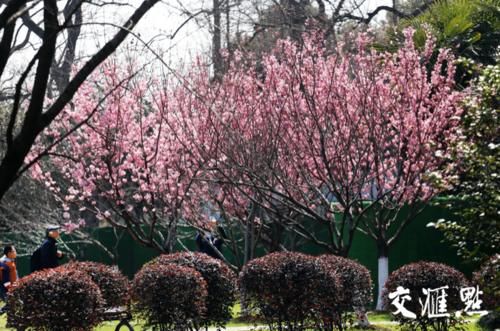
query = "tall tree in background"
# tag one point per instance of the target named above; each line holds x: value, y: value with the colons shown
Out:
x: 30, y: 114
x: 256, y: 25
x: 470, y: 28
x: 475, y: 196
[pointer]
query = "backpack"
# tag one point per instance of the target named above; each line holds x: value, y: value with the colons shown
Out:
x: 36, y: 260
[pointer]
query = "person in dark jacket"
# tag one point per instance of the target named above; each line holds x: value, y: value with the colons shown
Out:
x: 47, y: 255
x: 208, y: 243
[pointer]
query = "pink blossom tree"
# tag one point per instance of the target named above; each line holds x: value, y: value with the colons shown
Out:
x: 344, y: 139
x: 124, y: 155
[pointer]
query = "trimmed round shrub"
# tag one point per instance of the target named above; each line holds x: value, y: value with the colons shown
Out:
x: 112, y: 283
x: 169, y: 297
x: 221, y: 283
x: 356, y: 285
x: 426, y: 275
x: 488, y: 280
x: 56, y: 300
x: 288, y: 289
x: 354, y: 278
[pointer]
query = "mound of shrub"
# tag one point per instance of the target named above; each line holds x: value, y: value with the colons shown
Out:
x: 356, y: 284
x: 354, y: 278
x: 288, y: 289
x: 488, y: 280
x: 169, y: 297
x: 221, y: 283
x: 56, y: 300
x: 112, y: 283
x: 426, y: 275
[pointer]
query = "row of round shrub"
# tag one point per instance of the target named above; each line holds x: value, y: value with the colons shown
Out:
x: 192, y: 290
x: 174, y: 292
x: 289, y: 290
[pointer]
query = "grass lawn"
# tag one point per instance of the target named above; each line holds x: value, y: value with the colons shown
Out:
x: 381, y: 321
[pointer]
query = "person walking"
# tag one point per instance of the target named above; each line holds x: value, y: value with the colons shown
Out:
x: 47, y: 255
x: 207, y: 242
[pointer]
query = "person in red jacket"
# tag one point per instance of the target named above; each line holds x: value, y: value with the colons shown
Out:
x: 9, y: 269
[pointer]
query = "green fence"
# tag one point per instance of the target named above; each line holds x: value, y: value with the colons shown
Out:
x: 417, y: 242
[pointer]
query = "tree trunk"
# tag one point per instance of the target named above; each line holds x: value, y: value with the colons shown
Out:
x: 217, y: 40
x: 13, y: 161
x: 248, y: 253
x: 169, y: 244
x: 382, y: 272
x: 395, y: 17
x: 249, y: 241
x: 249, y: 235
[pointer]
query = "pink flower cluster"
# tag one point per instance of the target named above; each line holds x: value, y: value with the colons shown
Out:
x: 309, y: 126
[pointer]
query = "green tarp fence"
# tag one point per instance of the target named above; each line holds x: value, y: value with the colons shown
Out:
x: 417, y: 242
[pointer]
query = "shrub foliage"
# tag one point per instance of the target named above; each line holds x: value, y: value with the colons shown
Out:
x: 488, y: 280
x: 490, y: 321
x: 355, y: 280
x: 112, y: 283
x: 169, y: 297
x: 221, y: 284
x: 426, y: 275
x: 288, y: 289
x: 56, y: 300
x: 356, y: 285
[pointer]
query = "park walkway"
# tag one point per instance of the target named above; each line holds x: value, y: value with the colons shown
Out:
x: 263, y: 328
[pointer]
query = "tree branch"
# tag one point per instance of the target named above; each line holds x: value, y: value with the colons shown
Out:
x: 394, y: 11
x: 95, y: 61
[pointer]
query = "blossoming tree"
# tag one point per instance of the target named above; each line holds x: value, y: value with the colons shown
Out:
x: 125, y: 161
x: 345, y: 140
x: 341, y: 139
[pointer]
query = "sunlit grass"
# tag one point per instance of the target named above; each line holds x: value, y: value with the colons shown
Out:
x: 382, y: 322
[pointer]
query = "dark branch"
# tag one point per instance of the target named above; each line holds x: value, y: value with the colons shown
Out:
x: 12, y: 8
x: 389, y: 9
x: 95, y: 61
x: 5, y: 45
